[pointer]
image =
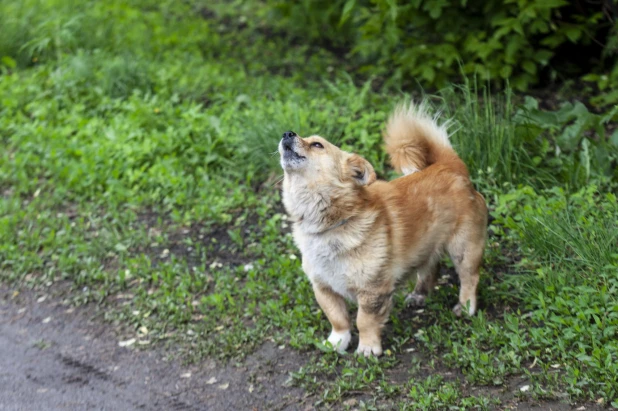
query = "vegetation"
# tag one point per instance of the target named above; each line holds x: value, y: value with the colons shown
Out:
x: 524, y: 41
x: 138, y: 167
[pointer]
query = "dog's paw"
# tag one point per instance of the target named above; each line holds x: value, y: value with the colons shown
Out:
x: 459, y: 310
x: 369, y: 350
x: 415, y: 300
x: 339, y: 341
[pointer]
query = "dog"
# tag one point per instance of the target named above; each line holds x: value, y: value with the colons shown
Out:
x: 360, y: 237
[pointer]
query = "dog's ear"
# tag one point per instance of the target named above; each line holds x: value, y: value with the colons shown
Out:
x: 361, y: 170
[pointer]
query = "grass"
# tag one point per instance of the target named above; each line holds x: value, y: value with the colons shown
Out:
x: 137, y: 167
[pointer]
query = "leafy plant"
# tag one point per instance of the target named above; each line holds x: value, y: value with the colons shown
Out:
x: 433, y: 41
x: 577, y: 146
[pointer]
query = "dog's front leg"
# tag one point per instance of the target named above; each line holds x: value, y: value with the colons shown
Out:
x: 373, y: 311
x: 336, y: 311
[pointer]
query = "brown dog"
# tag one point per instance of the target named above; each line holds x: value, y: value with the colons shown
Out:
x: 360, y: 237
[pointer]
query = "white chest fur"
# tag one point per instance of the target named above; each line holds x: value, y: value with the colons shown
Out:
x: 335, y: 254
x: 323, y: 262
x: 343, y: 258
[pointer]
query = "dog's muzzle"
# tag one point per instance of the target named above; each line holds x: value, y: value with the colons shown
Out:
x: 288, y: 140
x: 289, y: 144
x: 289, y: 147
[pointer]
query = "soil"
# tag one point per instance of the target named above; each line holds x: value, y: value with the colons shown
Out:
x: 56, y: 358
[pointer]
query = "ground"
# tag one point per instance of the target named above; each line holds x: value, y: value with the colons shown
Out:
x: 58, y: 358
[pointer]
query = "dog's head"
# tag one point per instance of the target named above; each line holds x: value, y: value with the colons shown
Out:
x: 315, y: 160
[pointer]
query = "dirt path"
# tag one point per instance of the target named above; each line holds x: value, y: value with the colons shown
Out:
x: 56, y: 358
x: 52, y: 358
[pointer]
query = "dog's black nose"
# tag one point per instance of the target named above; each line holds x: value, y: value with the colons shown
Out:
x: 289, y: 134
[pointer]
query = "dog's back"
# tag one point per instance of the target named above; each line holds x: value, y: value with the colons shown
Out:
x: 434, y: 206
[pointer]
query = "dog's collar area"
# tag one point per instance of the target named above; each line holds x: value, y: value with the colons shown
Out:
x: 339, y: 224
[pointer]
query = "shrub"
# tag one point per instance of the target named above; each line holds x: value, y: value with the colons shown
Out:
x: 434, y: 41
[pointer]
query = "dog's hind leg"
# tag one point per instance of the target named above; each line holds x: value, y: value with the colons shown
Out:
x: 466, y: 251
x: 425, y: 282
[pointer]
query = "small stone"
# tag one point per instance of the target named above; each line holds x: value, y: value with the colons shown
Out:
x: 524, y: 388
x: 126, y: 343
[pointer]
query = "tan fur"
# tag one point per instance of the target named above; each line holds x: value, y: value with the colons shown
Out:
x: 360, y: 238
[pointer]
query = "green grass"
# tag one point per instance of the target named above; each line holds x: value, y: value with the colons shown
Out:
x: 138, y: 168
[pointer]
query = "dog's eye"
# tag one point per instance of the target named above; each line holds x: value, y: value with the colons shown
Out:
x: 317, y: 145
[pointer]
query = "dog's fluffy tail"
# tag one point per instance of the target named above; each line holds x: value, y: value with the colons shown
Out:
x: 414, y: 140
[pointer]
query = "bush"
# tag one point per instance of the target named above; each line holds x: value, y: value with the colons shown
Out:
x: 436, y: 40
